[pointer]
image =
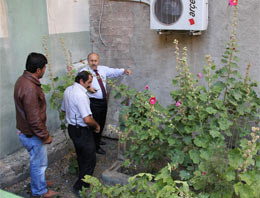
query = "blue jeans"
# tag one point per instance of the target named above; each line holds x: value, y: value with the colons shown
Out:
x: 38, y: 163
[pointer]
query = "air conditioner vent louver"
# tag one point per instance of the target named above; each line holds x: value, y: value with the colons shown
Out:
x: 168, y: 11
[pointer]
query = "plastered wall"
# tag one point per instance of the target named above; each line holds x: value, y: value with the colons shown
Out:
x: 23, y: 24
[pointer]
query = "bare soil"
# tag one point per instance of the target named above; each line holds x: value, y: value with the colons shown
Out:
x: 59, y: 173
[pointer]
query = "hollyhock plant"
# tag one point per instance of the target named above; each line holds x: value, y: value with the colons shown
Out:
x: 146, y: 87
x: 199, y: 75
x: 178, y: 103
x: 233, y: 2
x: 152, y: 100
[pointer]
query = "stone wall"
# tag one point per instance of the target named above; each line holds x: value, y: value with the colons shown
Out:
x: 130, y: 43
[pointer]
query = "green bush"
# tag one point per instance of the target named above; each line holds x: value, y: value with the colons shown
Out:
x: 206, y: 134
x: 142, y: 185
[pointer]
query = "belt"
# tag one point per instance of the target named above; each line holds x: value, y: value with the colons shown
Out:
x: 97, y: 99
x: 78, y: 126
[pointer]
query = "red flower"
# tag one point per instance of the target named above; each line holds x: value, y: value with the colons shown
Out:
x: 203, y: 173
x: 152, y: 100
x: 146, y: 87
x: 233, y: 2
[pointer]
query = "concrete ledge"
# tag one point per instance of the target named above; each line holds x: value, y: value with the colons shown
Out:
x: 112, y: 176
x: 15, y: 167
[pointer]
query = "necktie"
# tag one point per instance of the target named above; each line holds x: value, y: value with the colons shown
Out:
x: 100, y: 82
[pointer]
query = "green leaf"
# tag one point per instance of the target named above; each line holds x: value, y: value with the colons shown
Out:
x: 214, y: 133
x: 56, y: 79
x: 185, y: 175
x: 201, y: 142
x: 171, y: 142
x: 218, y: 86
x: 177, y: 118
x: 234, y: 65
x: 178, y: 157
x: 257, y: 161
x: 46, y: 88
x: 247, y: 177
x: 223, y: 61
x: 211, y: 110
x: 241, y: 109
x: 236, y: 74
x: 224, y: 123
x: 203, y: 97
x: 236, y: 58
x: 243, y: 190
x: 203, y: 195
x: 195, y: 156
x: 205, y: 154
x: 219, y: 104
x: 235, y: 158
x: 188, y: 129
x: 187, y: 140
x: 230, y: 174
x: 237, y: 95
x: 174, y: 82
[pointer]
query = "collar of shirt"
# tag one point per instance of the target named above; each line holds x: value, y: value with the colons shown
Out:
x: 80, y: 87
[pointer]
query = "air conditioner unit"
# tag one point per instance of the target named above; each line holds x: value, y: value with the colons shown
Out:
x: 189, y: 15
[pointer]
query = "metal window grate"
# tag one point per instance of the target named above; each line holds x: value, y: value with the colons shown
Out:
x: 168, y: 11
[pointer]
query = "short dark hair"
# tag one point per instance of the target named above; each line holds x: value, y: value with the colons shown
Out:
x: 84, y: 75
x: 35, y: 61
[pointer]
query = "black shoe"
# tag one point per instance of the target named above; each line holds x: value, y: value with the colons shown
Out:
x: 102, y: 143
x: 100, y: 151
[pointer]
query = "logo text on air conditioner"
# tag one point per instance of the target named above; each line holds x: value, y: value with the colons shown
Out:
x: 192, y: 11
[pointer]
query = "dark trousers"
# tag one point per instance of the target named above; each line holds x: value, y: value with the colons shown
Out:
x: 99, y: 112
x: 84, y: 144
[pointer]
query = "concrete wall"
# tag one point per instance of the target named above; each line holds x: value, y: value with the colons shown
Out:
x: 131, y: 44
x: 25, y: 23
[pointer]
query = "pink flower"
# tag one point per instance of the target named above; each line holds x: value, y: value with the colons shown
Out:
x: 152, y: 100
x: 203, y: 173
x: 233, y: 2
x: 178, y: 103
x: 199, y: 75
x: 146, y: 87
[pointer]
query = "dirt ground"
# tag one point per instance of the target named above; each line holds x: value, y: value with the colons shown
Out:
x: 60, y: 174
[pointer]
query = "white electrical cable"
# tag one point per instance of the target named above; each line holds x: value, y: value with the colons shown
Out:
x: 139, y: 1
x: 147, y: 2
x: 100, y: 21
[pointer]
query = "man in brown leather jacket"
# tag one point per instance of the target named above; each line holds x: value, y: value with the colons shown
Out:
x: 30, y: 108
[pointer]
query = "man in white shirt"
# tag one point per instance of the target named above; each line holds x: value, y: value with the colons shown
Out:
x: 76, y: 104
x: 98, y: 93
